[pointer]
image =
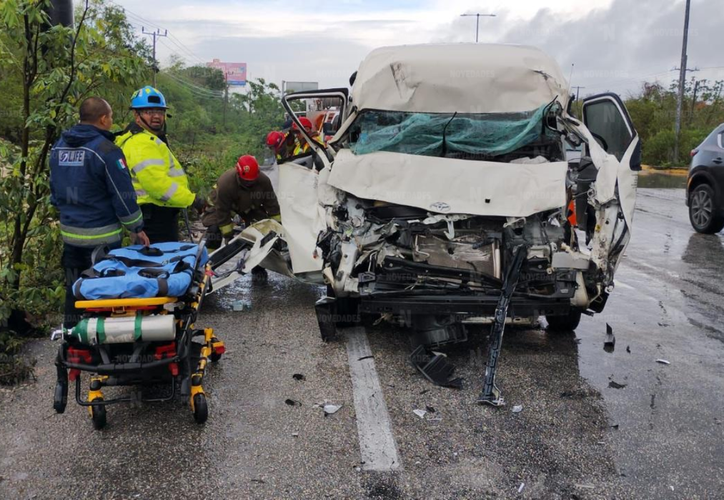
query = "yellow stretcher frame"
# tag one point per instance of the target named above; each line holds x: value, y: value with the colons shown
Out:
x: 117, y: 303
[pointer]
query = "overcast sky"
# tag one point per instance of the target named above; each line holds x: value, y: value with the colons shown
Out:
x: 613, y: 44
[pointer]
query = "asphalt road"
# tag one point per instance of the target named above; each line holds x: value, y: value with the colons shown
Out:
x: 593, y: 424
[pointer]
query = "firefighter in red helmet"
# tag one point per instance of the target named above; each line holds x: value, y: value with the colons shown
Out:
x: 242, y: 190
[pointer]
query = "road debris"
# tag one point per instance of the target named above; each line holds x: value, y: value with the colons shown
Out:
x: 430, y: 408
x: 628, y: 349
x: 419, y: 413
x: 298, y: 376
x: 435, y: 367
x: 663, y: 361
x: 520, y: 488
x: 517, y: 408
x: 292, y: 402
x: 241, y: 305
x: 615, y: 385
x: 330, y: 409
x: 610, y: 343
x: 295, y: 434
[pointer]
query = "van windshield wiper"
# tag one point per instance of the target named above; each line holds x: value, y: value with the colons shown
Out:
x: 444, y: 131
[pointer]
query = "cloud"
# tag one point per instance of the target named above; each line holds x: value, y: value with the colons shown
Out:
x: 614, y: 44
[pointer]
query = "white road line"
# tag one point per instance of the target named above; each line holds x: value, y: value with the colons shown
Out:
x: 376, y: 440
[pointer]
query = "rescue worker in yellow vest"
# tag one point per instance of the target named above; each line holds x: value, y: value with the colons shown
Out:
x: 242, y: 190
x: 159, y: 180
x: 302, y: 146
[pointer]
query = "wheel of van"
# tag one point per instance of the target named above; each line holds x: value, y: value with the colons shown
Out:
x: 703, y: 213
x: 347, y: 312
x: 564, y: 323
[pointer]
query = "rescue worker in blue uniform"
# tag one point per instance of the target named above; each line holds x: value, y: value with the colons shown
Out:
x: 160, y: 182
x: 91, y: 188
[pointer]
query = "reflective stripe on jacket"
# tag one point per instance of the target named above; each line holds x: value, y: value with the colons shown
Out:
x: 90, y: 186
x: 157, y: 175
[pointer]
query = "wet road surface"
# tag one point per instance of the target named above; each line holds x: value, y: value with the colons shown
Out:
x: 593, y: 424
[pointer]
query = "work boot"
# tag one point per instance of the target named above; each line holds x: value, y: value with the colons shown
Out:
x: 259, y: 274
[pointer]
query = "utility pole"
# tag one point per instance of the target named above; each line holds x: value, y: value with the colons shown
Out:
x: 693, y: 101
x: 226, y: 97
x: 682, y: 77
x: 477, y: 22
x: 578, y: 88
x: 154, y: 34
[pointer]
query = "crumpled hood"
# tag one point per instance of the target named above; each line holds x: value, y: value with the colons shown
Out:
x: 82, y: 134
x: 452, y: 186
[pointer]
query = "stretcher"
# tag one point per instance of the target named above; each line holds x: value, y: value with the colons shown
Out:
x: 138, y: 328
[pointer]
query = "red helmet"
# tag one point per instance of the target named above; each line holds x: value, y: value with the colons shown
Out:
x: 247, y: 168
x: 306, y: 123
x: 274, y: 139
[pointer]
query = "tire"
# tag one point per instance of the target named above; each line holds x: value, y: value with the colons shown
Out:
x: 61, y: 397
x: 703, y: 212
x: 565, y: 323
x: 347, y: 312
x: 98, y: 414
x: 201, y: 410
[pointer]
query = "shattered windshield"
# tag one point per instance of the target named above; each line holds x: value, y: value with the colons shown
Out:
x: 468, y: 136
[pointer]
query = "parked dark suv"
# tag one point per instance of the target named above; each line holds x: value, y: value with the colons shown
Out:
x: 705, y: 186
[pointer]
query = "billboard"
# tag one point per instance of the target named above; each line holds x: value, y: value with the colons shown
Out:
x: 235, y: 73
x: 288, y: 87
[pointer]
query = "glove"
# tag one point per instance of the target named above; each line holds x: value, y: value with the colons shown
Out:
x: 199, y: 204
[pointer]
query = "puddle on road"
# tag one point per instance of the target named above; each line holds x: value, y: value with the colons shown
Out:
x: 274, y: 287
x: 662, y: 180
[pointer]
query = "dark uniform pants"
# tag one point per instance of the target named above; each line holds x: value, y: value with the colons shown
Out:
x: 75, y: 260
x: 160, y: 223
x: 213, y: 237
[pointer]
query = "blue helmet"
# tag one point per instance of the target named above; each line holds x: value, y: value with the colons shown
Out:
x: 148, y: 97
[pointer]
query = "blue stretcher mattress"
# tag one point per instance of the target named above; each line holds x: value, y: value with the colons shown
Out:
x: 160, y: 270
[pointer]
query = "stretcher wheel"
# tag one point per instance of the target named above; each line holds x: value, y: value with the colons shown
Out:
x: 214, y: 357
x: 201, y: 410
x: 61, y: 397
x: 98, y: 414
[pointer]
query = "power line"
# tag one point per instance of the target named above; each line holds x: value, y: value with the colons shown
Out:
x: 192, y: 89
x: 154, y: 34
x: 477, y: 17
x: 140, y: 21
x: 172, y: 50
x: 196, y: 90
x: 189, y: 82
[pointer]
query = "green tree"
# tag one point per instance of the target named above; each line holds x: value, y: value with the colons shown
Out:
x: 653, y: 112
x: 46, y: 71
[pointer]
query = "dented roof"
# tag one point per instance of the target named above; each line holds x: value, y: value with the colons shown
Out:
x: 463, y: 78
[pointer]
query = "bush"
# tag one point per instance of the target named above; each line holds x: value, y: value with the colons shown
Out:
x: 659, y: 149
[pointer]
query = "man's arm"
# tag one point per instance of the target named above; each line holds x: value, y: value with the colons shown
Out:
x: 153, y: 174
x: 120, y: 189
x: 224, y: 205
x: 270, y: 202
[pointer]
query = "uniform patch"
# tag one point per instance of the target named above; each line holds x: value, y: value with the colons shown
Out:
x: 71, y: 157
x: 122, y: 164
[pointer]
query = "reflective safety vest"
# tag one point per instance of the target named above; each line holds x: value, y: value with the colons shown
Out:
x: 302, y: 146
x: 157, y: 175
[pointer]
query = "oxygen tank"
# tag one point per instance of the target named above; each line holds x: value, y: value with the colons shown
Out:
x: 125, y: 329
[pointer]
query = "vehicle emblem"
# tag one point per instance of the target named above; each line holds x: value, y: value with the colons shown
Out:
x: 440, y: 206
